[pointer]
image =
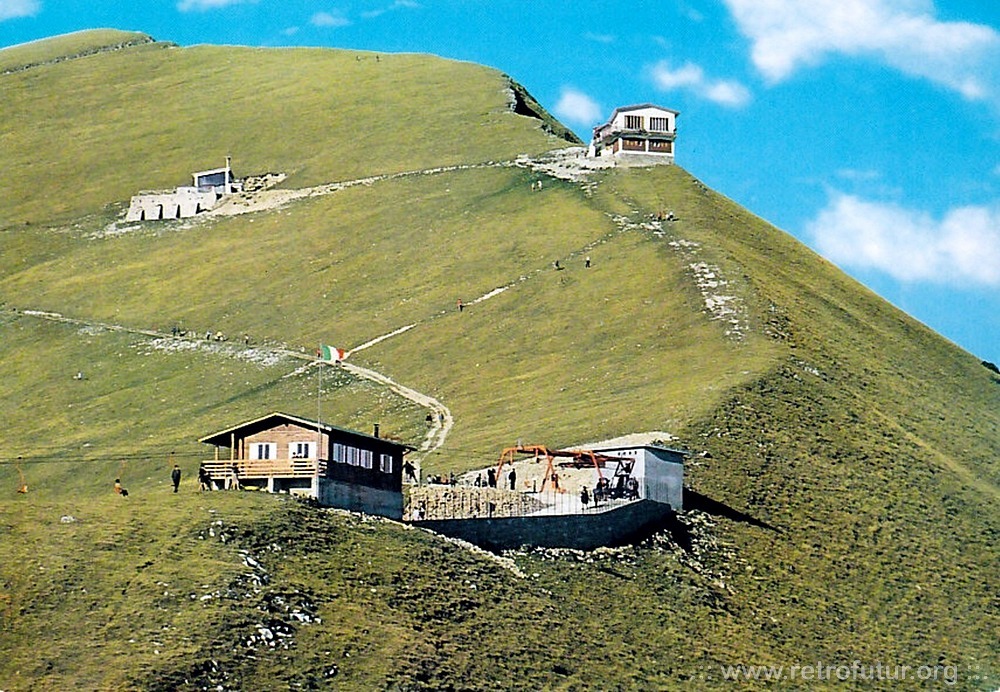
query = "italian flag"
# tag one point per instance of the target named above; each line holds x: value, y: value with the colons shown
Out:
x: 332, y: 353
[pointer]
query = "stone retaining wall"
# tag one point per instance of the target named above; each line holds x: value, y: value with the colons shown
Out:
x: 586, y: 531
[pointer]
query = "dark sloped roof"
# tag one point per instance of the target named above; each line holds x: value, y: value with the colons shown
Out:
x: 222, y: 437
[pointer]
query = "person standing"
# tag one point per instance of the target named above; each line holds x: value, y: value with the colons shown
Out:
x: 175, y: 477
x: 204, y: 477
x: 409, y: 470
x: 512, y: 478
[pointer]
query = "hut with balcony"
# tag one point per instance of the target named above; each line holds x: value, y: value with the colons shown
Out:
x: 337, y: 467
x: 641, y: 134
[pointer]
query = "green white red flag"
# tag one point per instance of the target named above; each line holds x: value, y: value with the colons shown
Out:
x: 332, y: 353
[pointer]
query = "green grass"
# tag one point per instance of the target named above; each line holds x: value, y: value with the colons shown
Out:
x: 327, y: 116
x: 68, y: 46
x: 851, y: 452
x: 138, y: 404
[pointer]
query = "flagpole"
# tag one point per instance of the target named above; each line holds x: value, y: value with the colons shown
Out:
x: 319, y: 414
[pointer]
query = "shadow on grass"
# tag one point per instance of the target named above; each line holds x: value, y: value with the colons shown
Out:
x: 681, y: 534
x: 695, y: 500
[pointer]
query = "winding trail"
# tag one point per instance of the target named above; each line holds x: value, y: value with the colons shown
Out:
x: 442, y: 420
x: 566, y: 164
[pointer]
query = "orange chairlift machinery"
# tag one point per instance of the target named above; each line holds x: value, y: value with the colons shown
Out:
x: 578, y: 458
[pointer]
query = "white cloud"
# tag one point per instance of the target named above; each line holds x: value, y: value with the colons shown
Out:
x: 10, y: 9
x: 692, y: 77
x: 962, y: 247
x: 202, y: 5
x: 329, y: 20
x: 689, y: 75
x: 397, y: 5
x: 904, y: 34
x: 727, y: 93
x: 599, y: 38
x: 576, y: 107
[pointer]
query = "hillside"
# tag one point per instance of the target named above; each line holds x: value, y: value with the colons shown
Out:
x: 843, y: 503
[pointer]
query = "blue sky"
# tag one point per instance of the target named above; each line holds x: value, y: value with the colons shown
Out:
x: 868, y: 129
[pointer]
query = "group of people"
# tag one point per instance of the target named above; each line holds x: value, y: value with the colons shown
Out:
x: 205, y: 481
x: 489, y: 482
x: 491, y: 479
x: 177, y: 331
x: 627, y: 488
x: 231, y: 480
x: 441, y: 479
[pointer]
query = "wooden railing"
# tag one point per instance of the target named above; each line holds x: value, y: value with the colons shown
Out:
x: 266, y: 468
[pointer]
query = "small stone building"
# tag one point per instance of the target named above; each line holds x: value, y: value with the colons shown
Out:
x: 643, y: 133
x: 336, y: 466
x: 659, y: 471
x: 208, y: 188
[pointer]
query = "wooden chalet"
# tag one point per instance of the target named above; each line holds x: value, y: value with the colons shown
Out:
x: 338, y: 467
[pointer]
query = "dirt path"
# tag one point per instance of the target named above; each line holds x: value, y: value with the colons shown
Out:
x: 442, y: 420
x: 566, y: 164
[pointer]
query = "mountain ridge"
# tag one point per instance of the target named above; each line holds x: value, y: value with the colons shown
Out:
x: 843, y: 497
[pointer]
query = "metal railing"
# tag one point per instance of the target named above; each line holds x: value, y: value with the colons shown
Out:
x: 428, y: 502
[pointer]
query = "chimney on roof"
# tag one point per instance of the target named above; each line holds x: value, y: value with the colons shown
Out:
x: 376, y: 430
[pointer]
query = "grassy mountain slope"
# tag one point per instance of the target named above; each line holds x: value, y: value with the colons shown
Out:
x: 846, y: 508
x: 68, y: 47
x: 171, y: 110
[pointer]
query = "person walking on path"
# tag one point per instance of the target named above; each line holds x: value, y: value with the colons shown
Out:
x: 175, y: 477
x: 584, y: 497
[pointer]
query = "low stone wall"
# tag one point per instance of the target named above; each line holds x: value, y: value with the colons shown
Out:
x: 451, y: 501
x: 182, y: 204
x: 585, y: 531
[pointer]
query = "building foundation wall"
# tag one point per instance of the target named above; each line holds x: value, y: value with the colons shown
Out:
x: 360, y: 498
x: 579, y: 531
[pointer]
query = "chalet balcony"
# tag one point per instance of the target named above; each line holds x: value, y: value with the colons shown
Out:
x: 610, y: 138
x: 646, y: 133
x: 249, y: 469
